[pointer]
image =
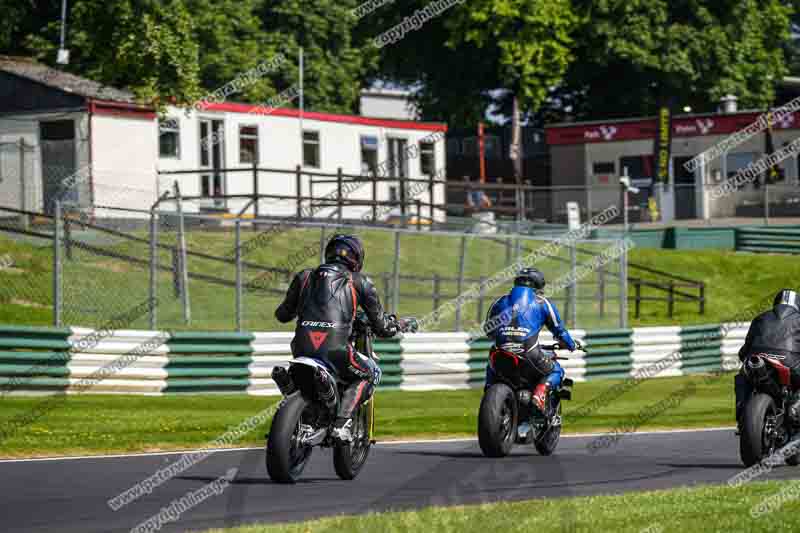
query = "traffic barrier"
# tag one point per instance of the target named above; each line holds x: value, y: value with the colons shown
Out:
x: 34, y: 360
x: 608, y: 353
x: 49, y: 360
x: 765, y: 239
x: 209, y: 362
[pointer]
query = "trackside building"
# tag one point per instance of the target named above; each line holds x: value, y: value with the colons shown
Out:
x: 66, y: 137
x: 587, y: 159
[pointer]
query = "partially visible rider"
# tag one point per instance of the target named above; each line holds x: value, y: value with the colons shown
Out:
x: 775, y: 332
x: 324, y: 300
x: 514, y: 322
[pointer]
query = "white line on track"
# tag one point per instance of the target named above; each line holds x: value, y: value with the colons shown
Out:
x: 384, y: 443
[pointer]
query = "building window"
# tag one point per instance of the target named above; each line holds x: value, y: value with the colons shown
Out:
x: 427, y: 158
x: 248, y: 144
x: 369, y: 156
x: 169, y: 138
x: 311, y: 149
x: 603, y: 167
x: 640, y: 167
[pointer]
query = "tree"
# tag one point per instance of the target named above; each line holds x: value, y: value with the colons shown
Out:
x: 147, y: 46
x: 336, y: 62
x: 231, y: 41
x: 522, y: 46
x: 634, y: 55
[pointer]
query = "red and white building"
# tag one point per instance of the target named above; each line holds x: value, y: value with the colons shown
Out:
x: 59, y: 131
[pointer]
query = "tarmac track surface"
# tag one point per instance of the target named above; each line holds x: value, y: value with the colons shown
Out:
x: 70, y: 495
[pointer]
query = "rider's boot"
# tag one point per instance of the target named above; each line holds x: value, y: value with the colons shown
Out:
x: 541, y: 397
x: 342, y: 430
x: 794, y: 409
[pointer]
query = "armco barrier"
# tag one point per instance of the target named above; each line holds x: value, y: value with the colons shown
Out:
x: 651, y: 345
x: 209, y: 362
x: 775, y: 240
x: 47, y: 360
x: 608, y: 353
x: 701, y: 349
x: 138, y: 374
x: 34, y: 359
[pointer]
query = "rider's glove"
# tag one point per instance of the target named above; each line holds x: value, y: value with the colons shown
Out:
x: 408, y: 325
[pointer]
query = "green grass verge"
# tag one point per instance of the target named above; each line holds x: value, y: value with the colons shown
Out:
x: 709, y: 509
x: 734, y: 281
x: 91, y: 424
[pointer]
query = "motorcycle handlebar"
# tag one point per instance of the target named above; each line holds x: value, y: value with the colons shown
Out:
x: 559, y: 346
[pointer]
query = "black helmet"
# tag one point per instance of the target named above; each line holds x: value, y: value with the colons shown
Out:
x: 347, y: 250
x: 530, y: 277
x: 787, y: 297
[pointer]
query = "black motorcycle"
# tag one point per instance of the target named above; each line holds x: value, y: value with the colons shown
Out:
x: 508, y: 413
x: 766, y: 426
x: 306, y: 415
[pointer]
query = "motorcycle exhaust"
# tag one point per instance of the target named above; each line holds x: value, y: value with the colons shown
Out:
x: 759, y: 375
x: 756, y: 369
x: 326, y: 388
x: 283, y: 380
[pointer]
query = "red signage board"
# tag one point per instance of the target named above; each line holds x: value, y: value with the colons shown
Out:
x: 646, y: 128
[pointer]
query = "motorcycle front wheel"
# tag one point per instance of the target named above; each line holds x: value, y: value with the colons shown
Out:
x: 349, y: 459
x: 497, y: 420
x: 286, y: 457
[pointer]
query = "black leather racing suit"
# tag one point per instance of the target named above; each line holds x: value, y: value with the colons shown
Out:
x: 777, y: 332
x: 324, y: 300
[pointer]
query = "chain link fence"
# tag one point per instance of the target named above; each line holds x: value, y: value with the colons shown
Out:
x: 90, y: 264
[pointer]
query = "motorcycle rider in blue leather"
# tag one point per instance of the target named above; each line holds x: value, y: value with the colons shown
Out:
x: 514, y: 322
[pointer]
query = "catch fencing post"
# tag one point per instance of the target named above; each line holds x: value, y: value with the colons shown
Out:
x: 436, y: 289
x: 462, y: 260
x: 374, y: 197
x: 573, y: 288
x: 57, y: 266
x: 239, y: 302
x: 322, y: 244
x: 601, y: 272
x: 396, y: 274
x: 339, y: 198
x: 23, y: 200
x: 588, y: 203
x: 255, y: 191
x: 430, y: 196
x: 482, y: 295
x: 153, y: 268
x: 623, y: 285
x: 187, y: 312
x: 299, y: 190
x: 766, y: 203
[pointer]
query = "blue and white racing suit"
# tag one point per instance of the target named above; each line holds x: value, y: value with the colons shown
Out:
x: 514, y: 322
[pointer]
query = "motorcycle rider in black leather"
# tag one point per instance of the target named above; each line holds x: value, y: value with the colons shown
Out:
x: 775, y: 332
x: 324, y: 300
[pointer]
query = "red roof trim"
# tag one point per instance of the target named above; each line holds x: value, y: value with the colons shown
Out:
x: 121, y: 109
x: 231, y: 107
